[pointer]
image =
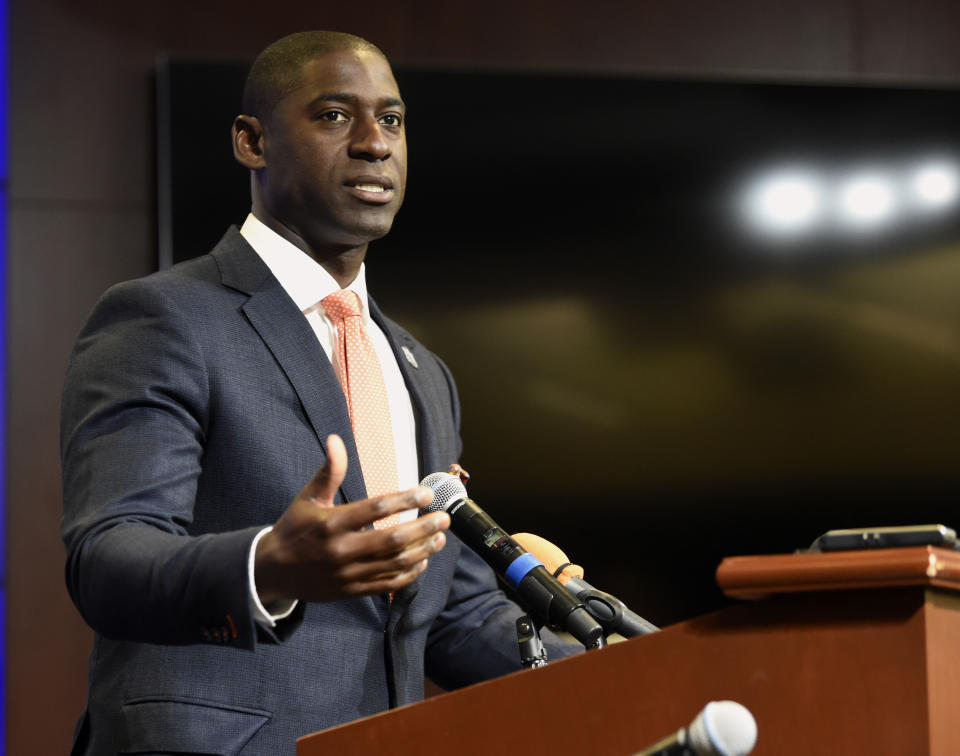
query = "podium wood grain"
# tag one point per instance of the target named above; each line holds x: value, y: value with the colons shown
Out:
x: 866, y: 661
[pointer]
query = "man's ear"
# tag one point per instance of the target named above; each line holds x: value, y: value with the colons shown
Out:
x: 248, y: 142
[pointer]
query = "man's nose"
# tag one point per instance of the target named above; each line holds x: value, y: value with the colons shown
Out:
x: 369, y: 142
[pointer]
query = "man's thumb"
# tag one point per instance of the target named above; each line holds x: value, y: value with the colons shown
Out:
x: 325, y: 484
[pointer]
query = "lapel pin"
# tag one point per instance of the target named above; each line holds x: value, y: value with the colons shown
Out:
x: 409, y: 355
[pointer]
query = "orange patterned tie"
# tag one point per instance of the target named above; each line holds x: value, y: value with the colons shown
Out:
x: 362, y: 381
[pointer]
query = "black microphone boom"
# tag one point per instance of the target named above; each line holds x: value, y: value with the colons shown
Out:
x: 540, y: 592
x: 609, y: 611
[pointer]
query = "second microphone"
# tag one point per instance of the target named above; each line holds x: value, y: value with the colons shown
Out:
x: 541, y: 593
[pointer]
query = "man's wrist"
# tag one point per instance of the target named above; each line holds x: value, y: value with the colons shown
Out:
x: 266, y: 610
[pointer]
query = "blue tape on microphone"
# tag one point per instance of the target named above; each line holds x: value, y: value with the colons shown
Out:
x: 519, y: 568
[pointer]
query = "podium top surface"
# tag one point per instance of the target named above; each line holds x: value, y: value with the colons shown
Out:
x: 754, y: 577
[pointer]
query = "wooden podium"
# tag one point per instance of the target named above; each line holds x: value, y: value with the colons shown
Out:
x: 841, y: 653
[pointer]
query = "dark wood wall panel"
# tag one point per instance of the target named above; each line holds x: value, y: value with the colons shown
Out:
x: 81, y: 192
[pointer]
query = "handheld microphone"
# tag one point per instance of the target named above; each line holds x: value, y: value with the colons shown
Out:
x: 608, y: 610
x: 540, y: 592
x: 723, y: 728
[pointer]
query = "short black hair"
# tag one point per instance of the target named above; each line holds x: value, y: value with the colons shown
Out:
x: 276, y: 71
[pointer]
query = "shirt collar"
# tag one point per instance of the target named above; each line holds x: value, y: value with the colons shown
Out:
x: 302, y: 277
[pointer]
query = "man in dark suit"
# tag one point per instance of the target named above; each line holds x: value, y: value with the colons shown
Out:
x: 236, y: 609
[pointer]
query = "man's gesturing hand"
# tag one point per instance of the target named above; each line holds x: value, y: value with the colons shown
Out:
x: 319, y: 552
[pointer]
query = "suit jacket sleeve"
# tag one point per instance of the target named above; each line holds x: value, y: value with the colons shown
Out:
x: 134, y: 419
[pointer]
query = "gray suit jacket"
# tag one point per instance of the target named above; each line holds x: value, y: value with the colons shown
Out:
x: 196, y: 407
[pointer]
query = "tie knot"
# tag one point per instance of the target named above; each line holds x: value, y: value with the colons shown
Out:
x: 341, y: 304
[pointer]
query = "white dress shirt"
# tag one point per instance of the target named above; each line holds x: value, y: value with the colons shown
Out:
x: 307, y: 283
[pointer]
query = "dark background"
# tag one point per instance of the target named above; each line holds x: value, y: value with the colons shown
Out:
x: 747, y: 413
x: 570, y: 245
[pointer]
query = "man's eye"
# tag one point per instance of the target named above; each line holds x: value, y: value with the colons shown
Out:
x: 333, y: 116
x: 390, y: 119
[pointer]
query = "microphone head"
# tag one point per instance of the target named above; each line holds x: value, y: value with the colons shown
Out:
x: 447, y: 489
x: 723, y: 728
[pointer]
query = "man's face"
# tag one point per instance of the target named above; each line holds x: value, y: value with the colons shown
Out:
x: 336, y: 152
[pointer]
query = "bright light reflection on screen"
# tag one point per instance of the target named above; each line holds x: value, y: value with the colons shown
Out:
x: 800, y: 202
x: 934, y: 185
x: 785, y: 203
x: 867, y: 200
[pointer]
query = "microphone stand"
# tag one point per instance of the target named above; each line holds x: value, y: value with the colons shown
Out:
x: 533, y: 654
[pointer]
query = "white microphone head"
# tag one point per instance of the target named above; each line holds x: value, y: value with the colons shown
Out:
x: 723, y: 728
x: 446, y: 488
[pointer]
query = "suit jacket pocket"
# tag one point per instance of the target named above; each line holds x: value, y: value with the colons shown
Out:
x: 188, y: 726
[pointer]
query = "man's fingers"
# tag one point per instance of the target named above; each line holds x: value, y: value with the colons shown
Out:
x: 357, y: 515
x: 392, y: 562
x: 386, y: 583
x: 362, y: 547
x: 325, y: 484
x: 399, y: 538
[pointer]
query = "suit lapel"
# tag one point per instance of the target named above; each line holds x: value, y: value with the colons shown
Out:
x: 288, y: 336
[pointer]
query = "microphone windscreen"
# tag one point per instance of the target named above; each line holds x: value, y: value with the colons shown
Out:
x: 446, y: 488
x: 551, y: 556
x: 723, y: 728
